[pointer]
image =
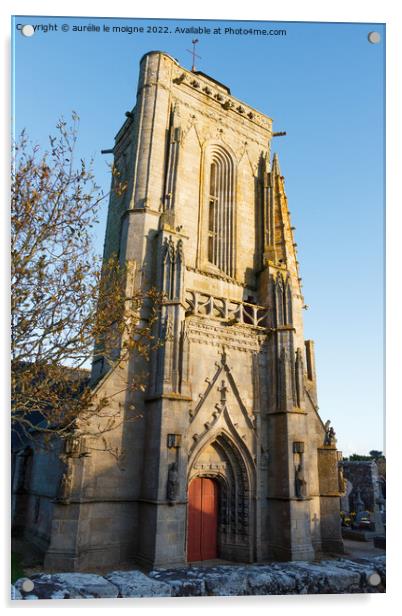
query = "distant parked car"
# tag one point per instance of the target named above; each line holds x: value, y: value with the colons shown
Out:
x: 363, y: 521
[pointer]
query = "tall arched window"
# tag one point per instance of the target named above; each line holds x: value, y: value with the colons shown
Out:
x: 221, y: 211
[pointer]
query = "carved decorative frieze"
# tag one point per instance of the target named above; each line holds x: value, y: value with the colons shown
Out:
x: 218, y: 277
x: 224, y: 99
x: 211, y: 467
x: 243, y: 339
x: 210, y: 417
x: 246, y: 133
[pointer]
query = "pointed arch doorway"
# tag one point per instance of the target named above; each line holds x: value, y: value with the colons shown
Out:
x: 202, y: 528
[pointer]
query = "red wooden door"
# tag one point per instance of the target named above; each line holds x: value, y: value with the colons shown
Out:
x: 194, y: 520
x: 202, y: 519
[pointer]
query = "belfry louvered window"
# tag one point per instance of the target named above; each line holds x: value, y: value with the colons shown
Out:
x: 221, y: 211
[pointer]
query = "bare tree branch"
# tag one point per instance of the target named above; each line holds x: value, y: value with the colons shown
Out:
x: 65, y: 300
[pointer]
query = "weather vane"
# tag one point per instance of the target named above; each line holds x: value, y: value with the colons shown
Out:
x: 194, y: 42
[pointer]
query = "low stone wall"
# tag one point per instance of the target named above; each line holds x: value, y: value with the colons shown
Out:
x: 325, y: 577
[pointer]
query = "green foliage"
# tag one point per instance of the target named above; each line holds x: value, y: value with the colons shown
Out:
x: 373, y: 455
x: 376, y: 455
x: 356, y: 457
x: 16, y: 567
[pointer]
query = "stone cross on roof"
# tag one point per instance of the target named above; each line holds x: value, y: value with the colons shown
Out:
x: 194, y: 42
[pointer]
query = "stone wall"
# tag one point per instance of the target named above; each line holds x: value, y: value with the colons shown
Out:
x: 327, y: 577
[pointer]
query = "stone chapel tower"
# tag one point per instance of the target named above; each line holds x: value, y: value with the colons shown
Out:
x: 230, y: 458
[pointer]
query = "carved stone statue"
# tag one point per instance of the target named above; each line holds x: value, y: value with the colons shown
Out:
x: 330, y: 438
x: 264, y: 458
x: 65, y: 485
x: 300, y: 482
x: 341, y: 480
x: 72, y: 446
x: 169, y: 329
x: 172, y: 482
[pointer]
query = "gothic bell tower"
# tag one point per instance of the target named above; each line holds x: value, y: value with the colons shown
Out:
x: 229, y: 457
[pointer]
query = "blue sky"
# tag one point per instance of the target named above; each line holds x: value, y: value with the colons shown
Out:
x: 324, y: 85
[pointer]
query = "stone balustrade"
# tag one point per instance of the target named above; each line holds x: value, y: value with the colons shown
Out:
x: 232, y: 311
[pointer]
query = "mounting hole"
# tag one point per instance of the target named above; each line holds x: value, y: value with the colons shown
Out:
x: 374, y: 37
x: 27, y: 30
x: 374, y: 579
x: 27, y: 585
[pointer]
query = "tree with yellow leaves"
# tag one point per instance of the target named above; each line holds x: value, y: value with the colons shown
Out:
x: 65, y: 301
